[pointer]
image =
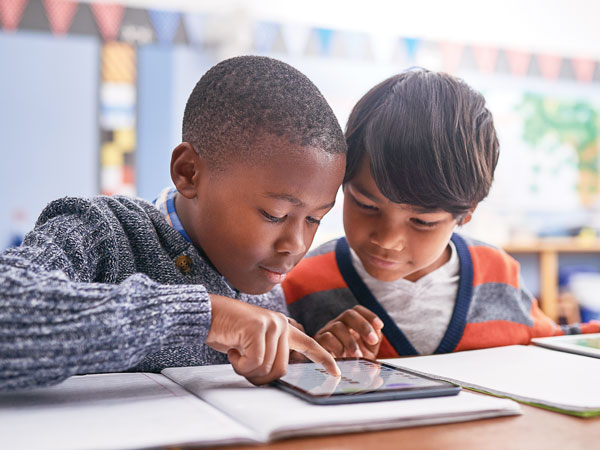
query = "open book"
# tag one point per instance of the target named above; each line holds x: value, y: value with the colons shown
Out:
x: 534, y: 375
x: 207, y: 405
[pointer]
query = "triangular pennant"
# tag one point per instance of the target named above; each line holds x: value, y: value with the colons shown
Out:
x: 60, y: 14
x: 451, y: 55
x: 296, y: 37
x: 165, y: 24
x: 194, y: 27
x: 324, y: 36
x: 279, y: 43
x: 549, y: 65
x: 108, y: 17
x: 264, y: 36
x: 412, y: 45
x: 567, y: 71
x: 11, y: 12
x: 486, y: 58
x: 34, y: 17
x: 84, y: 22
x: 518, y: 61
x: 584, y: 69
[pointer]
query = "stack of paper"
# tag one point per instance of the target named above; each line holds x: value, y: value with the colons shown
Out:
x: 550, y: 379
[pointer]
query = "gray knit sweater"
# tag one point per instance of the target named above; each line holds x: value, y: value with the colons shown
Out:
x: 95, y: 288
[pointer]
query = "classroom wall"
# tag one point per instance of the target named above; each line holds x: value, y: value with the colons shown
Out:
x: 48, y: 124
x: 544, y: 94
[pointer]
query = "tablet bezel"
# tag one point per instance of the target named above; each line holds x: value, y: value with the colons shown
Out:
x: 442, y: 388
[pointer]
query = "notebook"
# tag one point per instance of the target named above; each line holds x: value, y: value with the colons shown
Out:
x: 558, y: 381
x: 208, y: 405
x: 582, y: 344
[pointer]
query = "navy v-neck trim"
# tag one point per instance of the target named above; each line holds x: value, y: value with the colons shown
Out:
x: 365, y: 297
x: 394, y: 335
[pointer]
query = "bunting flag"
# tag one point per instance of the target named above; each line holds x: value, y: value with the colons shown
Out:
x: 584, y: 69
x: 451, y: 56
x: 549, y: 65
x: 518, y: 61
x: 11, y: 12
x: 324, y: 39
x: 485, y: 58
x: 108, y: 17
x: 412, y: 45
x: 165, y: 24
x: 60, y: 15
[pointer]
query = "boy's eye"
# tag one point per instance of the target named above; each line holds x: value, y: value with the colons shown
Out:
x: 271, y: 218
x: 365, y: 206
x: 314, y: 221
x: 422, y: 223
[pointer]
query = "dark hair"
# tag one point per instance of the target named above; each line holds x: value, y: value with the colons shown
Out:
x: 430, y: 140
x: 241, y: 98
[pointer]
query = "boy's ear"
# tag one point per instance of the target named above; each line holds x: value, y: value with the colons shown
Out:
x: 468, y: 216
x: 187, y: 169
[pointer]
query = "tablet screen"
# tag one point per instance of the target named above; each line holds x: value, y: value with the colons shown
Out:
x: 358, y: 376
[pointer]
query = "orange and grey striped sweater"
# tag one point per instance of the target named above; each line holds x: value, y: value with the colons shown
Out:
x: 491, y: 309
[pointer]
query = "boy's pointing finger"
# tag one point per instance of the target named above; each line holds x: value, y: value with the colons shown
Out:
x: 312, y: 350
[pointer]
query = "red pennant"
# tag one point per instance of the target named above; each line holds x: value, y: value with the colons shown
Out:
x: 451, y: 54
x: 108, y: 17
x: 60, y: 14
x: 486, y: 58
x: 584, y: 69
x: 549, y: 65
x: 11, y: 12
x: 518, y: 61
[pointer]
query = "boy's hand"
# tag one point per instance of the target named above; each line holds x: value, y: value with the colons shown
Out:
x: 258, y: 341
x: 354, y: 333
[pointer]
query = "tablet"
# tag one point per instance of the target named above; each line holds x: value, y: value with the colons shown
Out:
x: 362, y: 380
x: 582, y: 344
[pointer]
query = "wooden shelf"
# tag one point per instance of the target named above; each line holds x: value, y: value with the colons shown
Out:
x: 548, y: 250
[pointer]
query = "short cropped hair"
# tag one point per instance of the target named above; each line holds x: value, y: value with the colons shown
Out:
x: 430, y: 140
x: 242, y: 98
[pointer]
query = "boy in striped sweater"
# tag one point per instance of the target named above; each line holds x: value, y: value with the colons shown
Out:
x: 422, y: 150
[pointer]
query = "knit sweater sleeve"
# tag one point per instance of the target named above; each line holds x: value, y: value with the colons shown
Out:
x: 57, y: 319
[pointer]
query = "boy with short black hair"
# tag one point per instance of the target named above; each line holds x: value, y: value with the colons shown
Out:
x: 422, y: 150
x: 114, y: 283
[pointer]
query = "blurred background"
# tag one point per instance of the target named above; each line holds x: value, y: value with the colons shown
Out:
x: 92, y: 97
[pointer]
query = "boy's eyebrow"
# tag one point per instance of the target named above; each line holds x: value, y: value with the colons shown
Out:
x: 422, y: 209
x: 361, y: 190
x: 295, y: 201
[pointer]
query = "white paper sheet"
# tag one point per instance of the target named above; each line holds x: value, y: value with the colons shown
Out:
x: 526, y: 373
x: 112, y: 411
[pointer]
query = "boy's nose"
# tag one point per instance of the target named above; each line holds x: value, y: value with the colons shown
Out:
x: 388, y: 236
x: 293, y: 240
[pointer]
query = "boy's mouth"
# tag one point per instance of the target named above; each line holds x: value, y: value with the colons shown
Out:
x: 275, y: 275
x: 381, y: 262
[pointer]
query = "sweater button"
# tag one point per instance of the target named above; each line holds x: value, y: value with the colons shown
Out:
x: 184, y: 263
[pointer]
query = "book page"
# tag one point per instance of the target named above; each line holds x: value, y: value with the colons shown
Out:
x: 273, y: 413
x: 113, y: 411
x: 527, y: 373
